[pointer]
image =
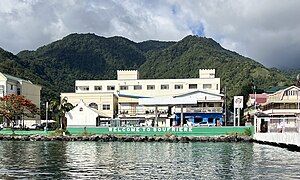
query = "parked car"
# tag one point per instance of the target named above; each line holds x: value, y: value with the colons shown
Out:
x: 206, y: 124
x: 35, y: 126
x: 17, y: 126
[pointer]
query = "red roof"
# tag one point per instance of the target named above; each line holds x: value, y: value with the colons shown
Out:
x: 260, y: 98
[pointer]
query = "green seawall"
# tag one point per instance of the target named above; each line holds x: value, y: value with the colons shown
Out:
x: 152, y: 131
x: 144, y: 131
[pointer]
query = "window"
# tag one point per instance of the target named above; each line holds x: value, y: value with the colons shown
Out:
x: 164, y: 86
x: 18, y: 91
x: 97, y: 88
x: 192, y: 86
x: 178, y: 86
x: 86, y: 88
x: 110, y: 88
x: 210, y: 105
x: 11, y: 87
x: 217, y: 87
x: 93, y: 105
x: 150, y: 87
x: 206, y: 86
x: 106, y: 107
x: 123, y: 87
x: 76, y: 87
x: 137, y: 87
x: 80, y: 109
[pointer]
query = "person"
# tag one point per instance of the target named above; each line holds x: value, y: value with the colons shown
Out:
x: 282, y: 125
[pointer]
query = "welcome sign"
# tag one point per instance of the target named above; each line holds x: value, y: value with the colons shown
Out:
x: 150, y: 129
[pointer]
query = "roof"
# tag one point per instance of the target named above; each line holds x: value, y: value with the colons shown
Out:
x: 275, y: 89
x: 198, y: 91
x: 131, y: 96
x: 259, y: 98
x: 9, y: 77
x: 263, y: 95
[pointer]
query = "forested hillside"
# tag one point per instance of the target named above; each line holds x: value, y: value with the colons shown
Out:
x: 56, y: 66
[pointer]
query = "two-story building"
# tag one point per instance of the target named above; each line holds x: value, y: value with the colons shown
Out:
x: 14, y: 85
x: 284, y: 102
x: 282, y: 108
x: 120, y: 98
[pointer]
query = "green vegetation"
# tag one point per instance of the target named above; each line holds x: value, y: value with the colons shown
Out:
x: 246, y: 132
x: 56, y: 66
x: 60, y: 132
x: 13, y: 105
x: 86, y: 133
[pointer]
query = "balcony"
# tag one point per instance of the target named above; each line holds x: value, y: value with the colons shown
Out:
x: 204, y: 109
x: 134, y: 112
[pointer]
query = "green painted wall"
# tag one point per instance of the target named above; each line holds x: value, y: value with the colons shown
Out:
x: 23, y: 132
x: 144, y: 131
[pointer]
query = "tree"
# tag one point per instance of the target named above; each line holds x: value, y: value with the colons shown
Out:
x: 59, y: 110
x: 14, y: 105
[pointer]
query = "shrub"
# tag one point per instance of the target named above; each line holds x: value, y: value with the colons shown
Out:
x: 247, y: 132
x: 60, y: 132
x: 168, y: 134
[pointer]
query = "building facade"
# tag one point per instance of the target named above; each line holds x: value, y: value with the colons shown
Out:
x: 284, y: 102
x: 280, y: 112
x: 14, y: 85
x: 123, y: 95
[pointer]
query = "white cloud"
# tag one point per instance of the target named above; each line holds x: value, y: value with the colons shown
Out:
x: 267, y: 31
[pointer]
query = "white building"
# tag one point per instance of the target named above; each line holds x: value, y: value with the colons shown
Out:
x: 120, y: 98
x: 83, y: 115
x: 14, y: 85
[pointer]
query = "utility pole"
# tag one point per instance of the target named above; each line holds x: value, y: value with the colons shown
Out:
x: 225, y: 107
x: 254, y: 97
x: 46, y: 116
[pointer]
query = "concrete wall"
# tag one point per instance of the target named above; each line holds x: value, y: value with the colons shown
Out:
x: 153, y: 131
x: 284, y: 138
x: 127, y: 74
x: 31, y: 92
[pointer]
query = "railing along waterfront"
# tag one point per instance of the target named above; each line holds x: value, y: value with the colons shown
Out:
x: 288, y: 125
x: 205, y: 109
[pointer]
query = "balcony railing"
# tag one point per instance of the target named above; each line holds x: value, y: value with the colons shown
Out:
x: 205, y: 109
x: 140, y: 112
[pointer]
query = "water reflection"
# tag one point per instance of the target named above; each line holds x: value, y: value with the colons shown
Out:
x: 116, y: 160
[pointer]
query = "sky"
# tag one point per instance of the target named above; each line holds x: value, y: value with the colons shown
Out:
x: 267, y: 31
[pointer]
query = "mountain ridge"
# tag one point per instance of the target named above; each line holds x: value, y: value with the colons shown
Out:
x: 57, y: 65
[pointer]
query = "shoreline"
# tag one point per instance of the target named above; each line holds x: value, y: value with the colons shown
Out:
x: 129, y: 138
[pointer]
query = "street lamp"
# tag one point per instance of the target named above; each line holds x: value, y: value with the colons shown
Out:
x: 46, y: 127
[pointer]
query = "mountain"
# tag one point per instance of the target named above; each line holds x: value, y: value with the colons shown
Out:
x: 56, y: 66
x: 85, y: 56
x: 237, y: 72
x: 10, y: 64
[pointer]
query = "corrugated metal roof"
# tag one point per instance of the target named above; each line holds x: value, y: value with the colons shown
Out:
x: 10, y: 77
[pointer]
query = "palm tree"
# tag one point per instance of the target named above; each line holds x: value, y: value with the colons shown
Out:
x: 59, y: 110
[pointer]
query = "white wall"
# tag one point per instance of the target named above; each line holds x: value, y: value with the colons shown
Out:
x: 86, y: 117
x: 144, y: 82
x: 286, y: 138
